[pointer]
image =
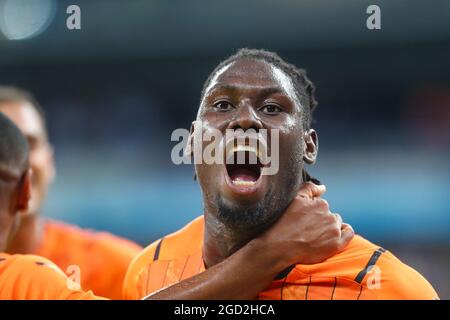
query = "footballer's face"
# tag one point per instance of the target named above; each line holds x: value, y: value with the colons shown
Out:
x: 28, y: 120
x: 253, y: 94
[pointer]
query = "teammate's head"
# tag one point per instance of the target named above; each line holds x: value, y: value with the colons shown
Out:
x: 21, y: 107
x: 14, y: 178
x: 257, y: 89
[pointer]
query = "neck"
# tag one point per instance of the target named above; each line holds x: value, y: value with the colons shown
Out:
x: 221, y: 241
x: 28, y: 237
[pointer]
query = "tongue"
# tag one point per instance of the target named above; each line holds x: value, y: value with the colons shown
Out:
x: 243, y: 174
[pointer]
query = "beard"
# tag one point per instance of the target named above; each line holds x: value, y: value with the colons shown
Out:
x: 255, y: 218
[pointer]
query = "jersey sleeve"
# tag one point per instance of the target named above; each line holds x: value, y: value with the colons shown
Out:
x: 101, y: 257
x: 28, y: 277
x: 111, y: 257
x: 131, y: 285
x: 398, y: 281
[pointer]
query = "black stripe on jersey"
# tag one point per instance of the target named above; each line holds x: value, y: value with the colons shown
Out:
x: 283, y: 274
x: 334, y: 287
x: 307, y: 288
x: 360, y: 291
x: 372, y: 261
x: 158, y: 248
x: 282, y: 287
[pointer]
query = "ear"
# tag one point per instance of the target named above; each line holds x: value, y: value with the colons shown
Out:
x: 23, y: 192
x: 311, y: 146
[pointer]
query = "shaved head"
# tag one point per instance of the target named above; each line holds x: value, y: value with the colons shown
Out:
x: 14, y: 179
x: 13, y: 151
x: 13, y: 94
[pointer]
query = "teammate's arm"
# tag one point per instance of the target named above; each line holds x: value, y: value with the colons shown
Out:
x: 306, y: 233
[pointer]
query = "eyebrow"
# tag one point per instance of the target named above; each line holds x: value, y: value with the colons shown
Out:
x: 264, y: 90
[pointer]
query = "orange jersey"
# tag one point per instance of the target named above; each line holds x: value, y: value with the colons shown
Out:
x: 102, y: 259
x: 28, y: 277
x: 362, y: 271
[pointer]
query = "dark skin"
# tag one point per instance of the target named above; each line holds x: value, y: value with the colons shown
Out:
x: 248, y: 271
x: 307, y: 232
x: 242, y: 262
x: 24, y: 115
x: 251, y: 94
x: 14, y: 198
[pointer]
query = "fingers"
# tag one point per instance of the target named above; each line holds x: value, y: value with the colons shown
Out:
x: 347, y: 235
x: 338, y: 220
x: 311, y: 190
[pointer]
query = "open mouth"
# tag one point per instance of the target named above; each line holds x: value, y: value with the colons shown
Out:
x: 243, y: 166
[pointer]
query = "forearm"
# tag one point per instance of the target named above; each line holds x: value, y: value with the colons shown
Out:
x: 241, y: 276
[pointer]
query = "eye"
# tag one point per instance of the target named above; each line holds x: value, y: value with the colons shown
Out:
x: 223, y: 106
x: 271, y: 109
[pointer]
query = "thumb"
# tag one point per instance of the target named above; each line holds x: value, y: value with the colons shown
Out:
x: 311, y: 190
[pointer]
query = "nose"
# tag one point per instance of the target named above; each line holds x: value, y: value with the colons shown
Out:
x: 245, y: 118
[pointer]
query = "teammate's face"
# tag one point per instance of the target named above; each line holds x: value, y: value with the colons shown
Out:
x: 30, y: 123
x: 252, y: 94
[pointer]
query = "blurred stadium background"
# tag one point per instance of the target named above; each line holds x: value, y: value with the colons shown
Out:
x: 116, y: 89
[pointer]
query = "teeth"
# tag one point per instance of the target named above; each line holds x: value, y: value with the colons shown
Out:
x: 243, y: 183
x: 259, y: 149
x: 246, y: 148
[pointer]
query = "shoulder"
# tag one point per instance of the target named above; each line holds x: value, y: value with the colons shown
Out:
x: 19, y: 263
x: 86, y: 240
x: 173, y: 246
x: 397, y: 280
x: 347, y: 263
x: 29, y: 277
x: 21, y: 273
x: 378, y: 270
x: 186, y: 241
x: 137, y: 265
